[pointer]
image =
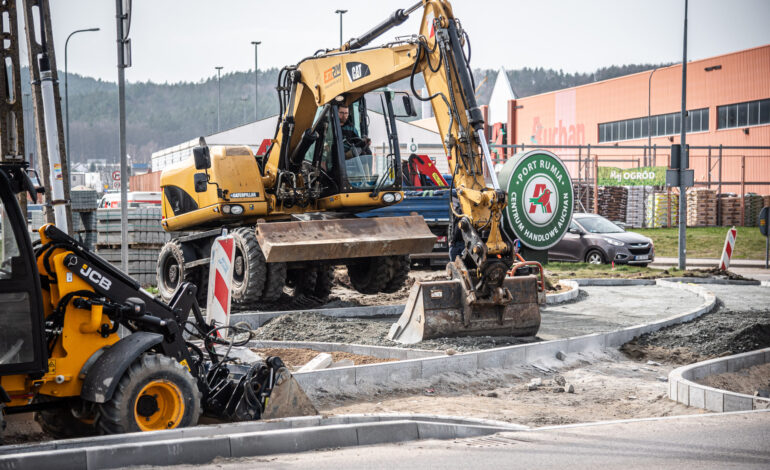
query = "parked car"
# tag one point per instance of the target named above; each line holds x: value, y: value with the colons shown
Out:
x: 594, y: 239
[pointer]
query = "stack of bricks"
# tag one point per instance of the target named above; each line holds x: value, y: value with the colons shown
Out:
x: 729, y: 210
x: 662, y: 207
x: 145, y: 239
x: 583, y: 194
x: 701, y: 207
x: 84, y: 202
x: 612, y: 202
x: 752, y: 204
x: 635, y: 204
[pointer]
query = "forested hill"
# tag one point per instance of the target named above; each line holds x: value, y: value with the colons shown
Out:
x: 160, y: 115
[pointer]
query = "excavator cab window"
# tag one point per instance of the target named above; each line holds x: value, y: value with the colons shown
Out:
x: 21, y: 349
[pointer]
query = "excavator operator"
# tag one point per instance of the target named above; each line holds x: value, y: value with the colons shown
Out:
x: 352, y: 142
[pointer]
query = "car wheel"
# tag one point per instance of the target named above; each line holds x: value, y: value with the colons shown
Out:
x: 594, y: 257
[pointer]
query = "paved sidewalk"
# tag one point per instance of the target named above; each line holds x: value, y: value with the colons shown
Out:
x: 708, y: 262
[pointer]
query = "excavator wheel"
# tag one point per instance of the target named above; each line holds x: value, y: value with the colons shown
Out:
x: 399, y: 273
x: 316, y: 282
x: 324, y: 282
x: 155, y: 393
x: 249, y: 271
x: 170, y: 270
x: 370, y: 275
x: 276, y: 279
x: 61, y: 422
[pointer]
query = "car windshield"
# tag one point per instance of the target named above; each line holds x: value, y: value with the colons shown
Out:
x: 599, y: 225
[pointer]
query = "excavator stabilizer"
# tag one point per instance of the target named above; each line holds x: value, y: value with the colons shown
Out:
x: 440, y: 309
x: 344, y: 238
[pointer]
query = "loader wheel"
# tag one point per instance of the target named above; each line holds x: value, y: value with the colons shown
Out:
x: 61, y: 422
x: 170, y: 271
x: 155, y: 393
x: 399, y: 273
x: 370, y: 275
x: 276, y: 279
x: 249, y: 269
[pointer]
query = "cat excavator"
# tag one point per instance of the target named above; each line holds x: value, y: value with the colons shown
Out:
x: 316, y: 173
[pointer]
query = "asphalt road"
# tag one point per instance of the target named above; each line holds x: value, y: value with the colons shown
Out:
x: 737, y: 440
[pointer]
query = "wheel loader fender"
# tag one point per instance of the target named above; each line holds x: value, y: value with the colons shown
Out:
x: 103, y: 375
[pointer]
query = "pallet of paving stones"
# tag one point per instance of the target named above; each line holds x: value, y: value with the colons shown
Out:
x: 83, y: 199
x: 752, y: 204
x: 729, y: 209
x: 662, y: 206
x: 583, y: 193
x: 701, y: 207
x: 612, y: 202
x: 142, y: 262
x: 635, y: 203
x: 143, y: 227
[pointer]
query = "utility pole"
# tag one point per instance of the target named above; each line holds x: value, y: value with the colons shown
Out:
x: 123, y: 19
x: 66, y: 90
x: 219, y: 98
x: 256, y: 81
x: 340, y: 12
x: 684, y: 160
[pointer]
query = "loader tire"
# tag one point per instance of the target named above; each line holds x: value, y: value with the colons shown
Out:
x: 170, y: 271
x: 60, y: 422
x: 370, y: 275
x: 155, y: 393
x: 276, y: 279
x: 249, y: 269
x: 399, y: 273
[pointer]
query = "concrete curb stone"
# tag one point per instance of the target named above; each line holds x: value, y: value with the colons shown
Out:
x: 571, y: 294
x: 684, y: 389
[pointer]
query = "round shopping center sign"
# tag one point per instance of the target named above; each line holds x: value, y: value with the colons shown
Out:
x: 540, y: 199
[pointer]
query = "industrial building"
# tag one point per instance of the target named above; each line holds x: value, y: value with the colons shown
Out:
x: 728, y: 103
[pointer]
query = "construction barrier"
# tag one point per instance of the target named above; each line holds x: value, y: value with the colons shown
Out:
x: 220, y: 282
x: 727, y: 252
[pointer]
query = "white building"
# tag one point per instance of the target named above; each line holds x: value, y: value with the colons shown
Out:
x: 498, y: 100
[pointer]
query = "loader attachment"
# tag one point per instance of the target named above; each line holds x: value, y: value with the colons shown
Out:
x: 311, y: 240
x: 439, y: 309
x: 287, y: 398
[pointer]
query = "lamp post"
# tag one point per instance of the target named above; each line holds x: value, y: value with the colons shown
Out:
x: 219, y: 97
x: 66, y: 93
x: 256, y: 81
x: 340, y: 12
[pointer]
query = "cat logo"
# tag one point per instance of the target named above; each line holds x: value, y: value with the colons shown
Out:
x: 332, y: 73
x: 89, y: 273
x: 357, y: 71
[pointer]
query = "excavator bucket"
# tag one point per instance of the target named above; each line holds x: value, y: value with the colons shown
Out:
x: 344, y: 238
x: 440, y: 309
x: 287, y: 398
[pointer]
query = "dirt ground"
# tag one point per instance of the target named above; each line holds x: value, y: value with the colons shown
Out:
x: 607, y: 386
x: 748, y: 381
x: 297, y: 357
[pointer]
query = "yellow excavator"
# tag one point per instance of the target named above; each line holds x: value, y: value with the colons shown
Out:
x: 319, y: 170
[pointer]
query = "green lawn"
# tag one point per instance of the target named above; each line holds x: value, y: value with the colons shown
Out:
x: 706, y: 242
x: 585, y: 270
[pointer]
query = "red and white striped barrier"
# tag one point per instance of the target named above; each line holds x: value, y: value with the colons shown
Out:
x: 220, y: 282
x: 727, y: 252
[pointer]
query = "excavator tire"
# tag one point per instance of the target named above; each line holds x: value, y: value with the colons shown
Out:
x: 399, y: 273
x: 370, y: 275
x: 170, y: 271
x: 155, y: 393
x: 276, y: 279
x: 324, y: 282
x: 249, y: 271
x: 60, y: 422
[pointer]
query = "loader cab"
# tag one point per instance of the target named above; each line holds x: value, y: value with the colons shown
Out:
x: 347, y: 153
x: 21, y: 316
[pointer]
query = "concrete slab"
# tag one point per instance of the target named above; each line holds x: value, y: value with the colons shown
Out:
x: 389, y: 373
x: 247, y: 445
x: 544, y: 350
x: 328, y: 379
x: 734, y: 402
x: 457, y: 363
x: 683, y: 393
x: 74, y: 459
x: 398, y: 431
x: 501, y: 358
x: 697, y: 397
x: 714, y: 401
x: 187, y: 451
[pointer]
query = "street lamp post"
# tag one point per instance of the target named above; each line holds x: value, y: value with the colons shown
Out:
x: 340, y: 12
x: 256, y: 81
x: 219, y: 98
x: 66, y: 92
x: 649, y: 117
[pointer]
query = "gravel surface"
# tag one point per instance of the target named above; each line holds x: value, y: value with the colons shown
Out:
x: 740, y: 324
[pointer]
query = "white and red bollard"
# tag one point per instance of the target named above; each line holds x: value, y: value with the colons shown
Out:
x: 220, y: 282
x: 727, y: 252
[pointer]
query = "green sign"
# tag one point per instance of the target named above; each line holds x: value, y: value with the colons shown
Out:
x: 644, y: 176
x: 540, y: 199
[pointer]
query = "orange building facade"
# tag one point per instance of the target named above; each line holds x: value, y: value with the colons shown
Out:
x: 728, y: 103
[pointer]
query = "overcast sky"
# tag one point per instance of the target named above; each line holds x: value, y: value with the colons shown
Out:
x: 183, y: 40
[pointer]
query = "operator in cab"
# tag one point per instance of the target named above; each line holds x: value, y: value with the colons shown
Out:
x: 352, y: 142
